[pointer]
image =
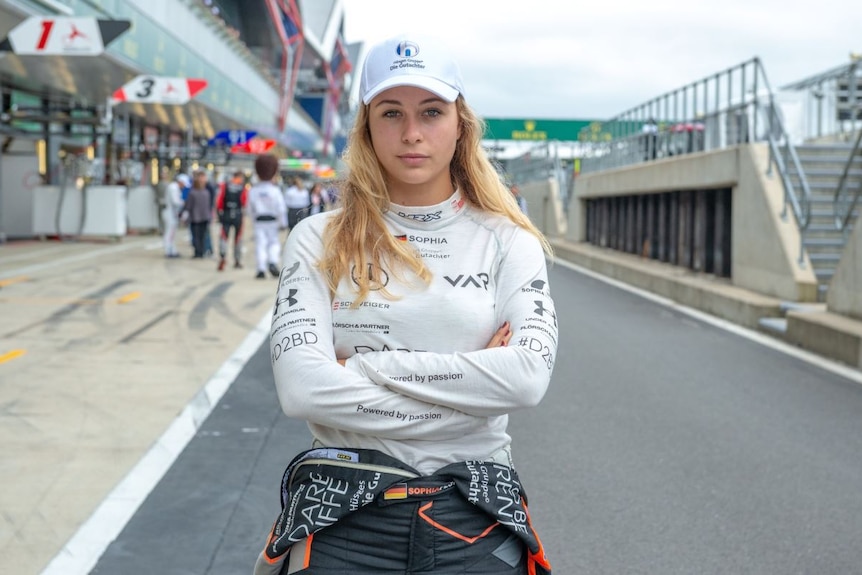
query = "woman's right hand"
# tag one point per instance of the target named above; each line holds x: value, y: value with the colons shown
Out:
x: 501, y: 337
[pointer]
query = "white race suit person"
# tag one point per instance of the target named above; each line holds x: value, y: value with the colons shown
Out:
x: 267, y: 211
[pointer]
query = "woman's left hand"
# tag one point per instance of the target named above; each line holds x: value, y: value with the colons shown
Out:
x: 501, y: 337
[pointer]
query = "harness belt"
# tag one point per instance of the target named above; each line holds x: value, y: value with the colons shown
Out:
x: 323, y: 485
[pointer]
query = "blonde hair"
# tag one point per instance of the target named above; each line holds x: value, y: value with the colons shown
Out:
x: 356, y: 239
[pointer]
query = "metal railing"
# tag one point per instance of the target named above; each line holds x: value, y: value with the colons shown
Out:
x: 845, y: 201
x: 731, y: 107
x: 836, y: 96
x: 831, y: 101
x: 834, y: 99
x: 542, y: 162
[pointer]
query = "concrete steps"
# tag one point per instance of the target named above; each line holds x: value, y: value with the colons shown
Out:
x: 823, y: 165
x: 777, y: 325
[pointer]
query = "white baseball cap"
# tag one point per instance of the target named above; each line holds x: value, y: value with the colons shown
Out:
x: 184, y: 180
x: 410, y: 60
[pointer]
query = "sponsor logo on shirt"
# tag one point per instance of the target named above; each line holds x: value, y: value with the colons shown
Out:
x: 337, y: 305
x: 361, y: 327
x: 287, y: 274
x: 291, y: 341
x: 425, y: 244
x: 398, y: 491
x: 541, y: 311
x: 302, y: 321
x: 541, y: 328
x: 429, y: 217
x: 479, y: 280
x: 425, y: 240
x: 537, y: 287
x: 403, y: 490
x: 538, y: 346
x: 377, y: 276
x: 289, y: 300
x: 368, y: 348
x: 286, y: 303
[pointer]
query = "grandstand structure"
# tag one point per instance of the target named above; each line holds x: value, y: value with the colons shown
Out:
x: 276, y: 72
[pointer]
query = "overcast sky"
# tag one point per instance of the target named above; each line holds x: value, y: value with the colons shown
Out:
x: 567, y: 59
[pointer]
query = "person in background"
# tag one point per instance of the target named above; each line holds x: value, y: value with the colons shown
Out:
x: 521, y: 200
x: 650, y: 139
x: 199, y: 212
x: 186, y: 187
x: 230, y: 205
x: 297, y: 200
x: 330, y: 197
x: 267, y: 211
x: 173, y: 205
x: 428, y: 254
x: 213, y: 190
x: 317, y: 202
x: 159, y: 196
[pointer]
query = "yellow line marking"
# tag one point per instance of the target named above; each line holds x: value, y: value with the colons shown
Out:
x: 15, y: 353
x: 10, y: 281
x: 129, y: 297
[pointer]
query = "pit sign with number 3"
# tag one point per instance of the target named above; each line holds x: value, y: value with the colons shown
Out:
x: 148, y: 89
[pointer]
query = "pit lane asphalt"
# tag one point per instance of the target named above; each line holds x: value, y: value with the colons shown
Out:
x: 666, y: 443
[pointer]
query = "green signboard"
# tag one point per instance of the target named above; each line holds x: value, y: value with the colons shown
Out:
x: 527, y: 130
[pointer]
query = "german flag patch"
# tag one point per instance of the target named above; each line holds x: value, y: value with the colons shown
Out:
x: 397, y: 491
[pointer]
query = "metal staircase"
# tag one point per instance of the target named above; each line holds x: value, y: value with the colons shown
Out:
x: 824, y: 239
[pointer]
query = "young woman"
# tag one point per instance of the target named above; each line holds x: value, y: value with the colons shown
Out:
x: 408, y: 324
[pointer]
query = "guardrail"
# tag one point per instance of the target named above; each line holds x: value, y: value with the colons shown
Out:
x: 541, y: 162
x: 735, y: 106
x: 837, y: 110
x: 845, y: 202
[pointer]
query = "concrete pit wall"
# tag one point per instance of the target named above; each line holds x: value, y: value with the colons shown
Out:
x: 845, y: 290
x: 764, y: 247
x: 19, y: 174
x: 544, y: 207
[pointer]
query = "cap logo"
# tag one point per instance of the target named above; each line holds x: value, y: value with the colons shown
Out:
x: 407, y: 50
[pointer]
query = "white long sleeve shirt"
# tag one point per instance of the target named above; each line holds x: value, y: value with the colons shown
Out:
x: 419, y: 383
x: 297, y: 198
x: 265, y: 201
x: 173, y: 201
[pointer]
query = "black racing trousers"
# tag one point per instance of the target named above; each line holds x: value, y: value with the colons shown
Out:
x: 421, y: 526
x: 226, y: 225
x: 200, y: 231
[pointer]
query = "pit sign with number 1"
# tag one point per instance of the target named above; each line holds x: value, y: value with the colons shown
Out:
x: 62, y: 36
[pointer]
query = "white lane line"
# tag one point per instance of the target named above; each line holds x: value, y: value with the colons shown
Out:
x: 82, y: 551
x: 757, y: 337
x: 59, y: 262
